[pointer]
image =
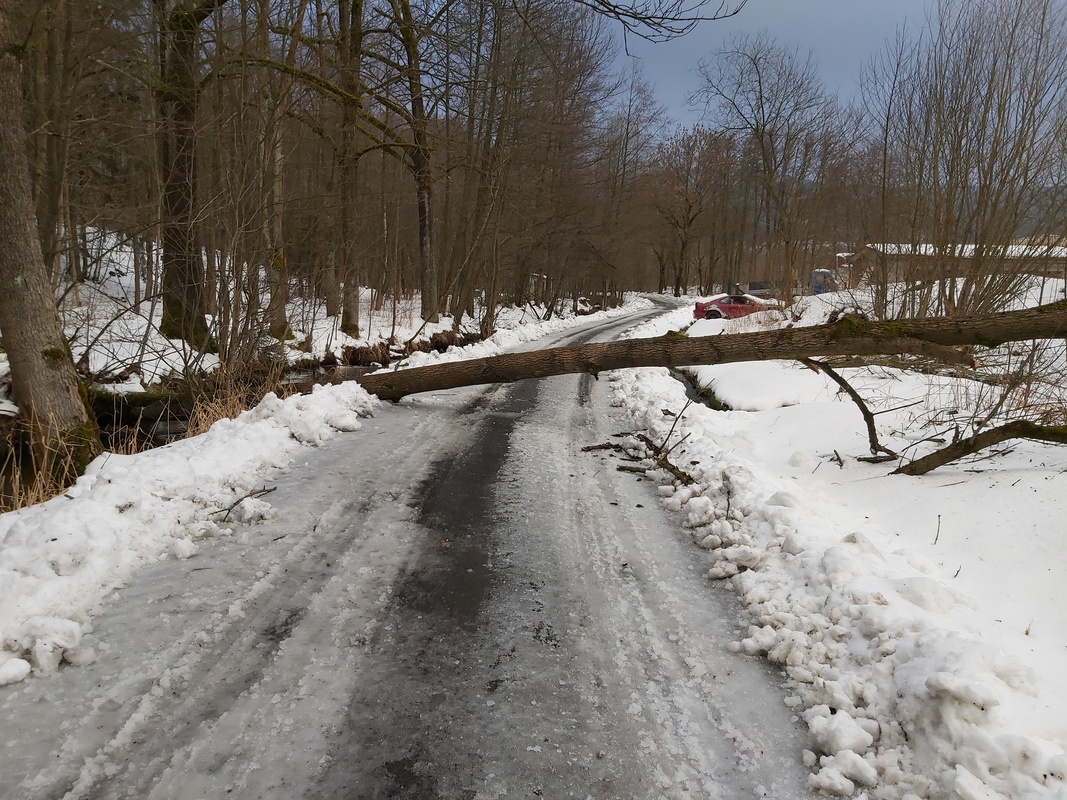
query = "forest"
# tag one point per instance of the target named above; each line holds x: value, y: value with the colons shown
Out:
x: 253, y: 154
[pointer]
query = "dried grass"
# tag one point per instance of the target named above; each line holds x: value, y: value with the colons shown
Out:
x: 24, y: 482
x: 231, y: 391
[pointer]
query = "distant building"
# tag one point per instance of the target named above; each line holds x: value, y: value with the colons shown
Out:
x: 845, y: 271
x: 899, y: 262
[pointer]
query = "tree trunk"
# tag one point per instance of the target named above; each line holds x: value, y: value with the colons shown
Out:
x: 846, y: 337
x: 46, y: 388
x: 419, y: 158
x: 277, y: 267
x: 350, y: 314
x: 329, y: 284
x: 661, y: 261
x: 51, y: 172
x: 427, y: 263
x: 183, y: 270
x: 350, y: 43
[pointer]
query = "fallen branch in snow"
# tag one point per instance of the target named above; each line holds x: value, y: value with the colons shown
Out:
x: 616, y: 448
x: 658, y: 457
x: 868, y: 418
x: 679, y: 473
x: 677, y: 444
x: 651, y: 445
x: 677, y: 419
x: 1020, y: 429
x: 877, y: 459
x: 605, y: 446
x: 256, y: 493
x: 662, y: 463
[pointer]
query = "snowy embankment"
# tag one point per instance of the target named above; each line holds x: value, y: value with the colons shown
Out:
x: 61, y: 559
x: 921, y: 620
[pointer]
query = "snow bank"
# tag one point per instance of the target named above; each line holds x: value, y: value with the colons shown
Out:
x: 60, y: 559
x: 513, y: 338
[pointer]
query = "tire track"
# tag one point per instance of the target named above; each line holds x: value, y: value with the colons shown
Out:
x: 225, y: 639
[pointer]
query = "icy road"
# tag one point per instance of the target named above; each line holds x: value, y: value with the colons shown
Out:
x: 456, y: 603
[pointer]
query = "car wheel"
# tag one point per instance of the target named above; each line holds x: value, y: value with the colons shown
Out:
x: 712, y: 313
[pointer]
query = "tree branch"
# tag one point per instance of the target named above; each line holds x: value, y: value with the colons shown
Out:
x: 662, y: 20
x: 868, y: 418
x: 1020, y: 429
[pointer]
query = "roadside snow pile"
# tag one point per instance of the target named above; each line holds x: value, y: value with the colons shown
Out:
x: 902, y: 609
x: 60, y: 559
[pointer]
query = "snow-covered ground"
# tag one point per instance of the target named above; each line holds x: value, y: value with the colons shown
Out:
x: 921, y: 620
x: 114, y: 330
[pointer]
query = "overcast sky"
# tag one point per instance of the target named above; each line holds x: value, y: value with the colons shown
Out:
x: 842, y: 34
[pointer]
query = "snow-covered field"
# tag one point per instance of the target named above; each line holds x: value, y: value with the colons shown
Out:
x: 921, y: 621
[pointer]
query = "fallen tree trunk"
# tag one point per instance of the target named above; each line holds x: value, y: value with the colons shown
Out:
x: 935, y: 338
x: 1019, y: 429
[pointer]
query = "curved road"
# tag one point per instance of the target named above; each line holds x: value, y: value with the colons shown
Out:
x: 455, y: 602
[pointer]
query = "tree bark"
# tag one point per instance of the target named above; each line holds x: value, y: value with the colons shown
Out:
x: 183, y: 269
x: 848, y: 336
x: 419, y: 157
x: 46, y: 388
x: 350, y: 44
x: 51, y: 172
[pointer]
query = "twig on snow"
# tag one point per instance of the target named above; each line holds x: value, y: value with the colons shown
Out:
x: 256, y: 493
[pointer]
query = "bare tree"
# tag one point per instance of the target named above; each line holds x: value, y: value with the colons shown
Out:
x: 183, y: 268
x: 775, y: 98
x: 684, y: 195
x: 350, y: 57
x: 971, y: 120
x: 50, y: 398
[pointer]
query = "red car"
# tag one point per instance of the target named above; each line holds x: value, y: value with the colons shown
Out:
x: 730, y: 306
